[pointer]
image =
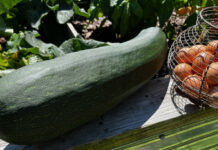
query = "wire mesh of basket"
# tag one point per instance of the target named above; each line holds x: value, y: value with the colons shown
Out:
x: 193, y: 59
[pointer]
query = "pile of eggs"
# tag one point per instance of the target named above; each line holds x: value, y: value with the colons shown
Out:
x: 190, y: 70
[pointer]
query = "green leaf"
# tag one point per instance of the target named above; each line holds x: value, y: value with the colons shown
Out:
x: 124, y: 23
x: 80, y: 12
x: 32, y: 50
x: 54, y: 8
x: 6, y: 5
x: 136, y: 9
x: 37, y: 10
x: 165, y: 11
x: 4, y: 30
x: 191, y: 20
x: 25, y: 61
x: 65, y: 12
x: 53, y: 32
x: 212, y: 3
x: 2, y: 25
x: 64, y: 16
x: 95, y: 12
x: 4, y: 63
x: 148, y: 9
x: 34, y: 12
x: 113, y: 2
x: 32, y: 59
x: 170, y: 32
x: 14, y: 43
x: 77, y: 44
x: 117, y: 15
x: 52, y: 4
x: 45, y: 50
x: 204, y: 3
x: 106, y: 6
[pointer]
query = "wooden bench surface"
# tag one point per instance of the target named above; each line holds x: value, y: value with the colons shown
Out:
x: 157, y: 101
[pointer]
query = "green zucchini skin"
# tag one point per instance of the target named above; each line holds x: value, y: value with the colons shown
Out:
x: 48, y: 99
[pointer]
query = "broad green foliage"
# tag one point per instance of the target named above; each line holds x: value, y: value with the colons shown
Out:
x: 6, y: 5
x: 77, y: 44
x: 129, y: 16
x: 80, y: 11
x: 64, y: 10
x: 47, y: 17
x: 36, y: 11
x: 45, y: 50
x: 15, y: 42
x: 32, y: 13
x: 21, y: 48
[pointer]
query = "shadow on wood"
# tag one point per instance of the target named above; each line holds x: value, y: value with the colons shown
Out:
x: 182, y: 103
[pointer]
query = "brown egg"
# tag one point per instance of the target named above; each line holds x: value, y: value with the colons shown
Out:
x: 213, y: 100
x: 198, y: 48
x: 212, y: 46
x: 212, y: 74
x: 215, y: 57
x: 183, y: 70
x: 200, y: 62
x: 185, y: 55
x: 192, y: 84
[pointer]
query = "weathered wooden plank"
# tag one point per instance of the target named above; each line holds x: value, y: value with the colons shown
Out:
x: 150, y: 105
x: 192, y: 131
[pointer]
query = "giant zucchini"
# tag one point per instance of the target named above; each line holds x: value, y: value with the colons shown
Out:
x: 45, y: 100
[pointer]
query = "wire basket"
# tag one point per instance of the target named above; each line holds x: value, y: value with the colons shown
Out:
x: 193, y: 59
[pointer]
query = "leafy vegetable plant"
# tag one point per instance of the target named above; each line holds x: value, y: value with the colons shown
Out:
x: 25, y: 49
x: 6, y: 5
x: 28, y: 24
x: 129, y: 16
